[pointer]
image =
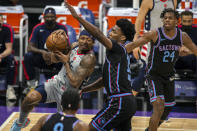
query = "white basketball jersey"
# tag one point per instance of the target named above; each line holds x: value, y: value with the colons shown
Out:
x: 55, y: 86
x: 153, y: 18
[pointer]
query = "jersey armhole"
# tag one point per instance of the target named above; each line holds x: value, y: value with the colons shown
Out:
x: 48, y: 117
x: 75, y: 123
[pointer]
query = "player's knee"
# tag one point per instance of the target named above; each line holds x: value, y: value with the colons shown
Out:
x: 159, y: 106
x: 32, y: 99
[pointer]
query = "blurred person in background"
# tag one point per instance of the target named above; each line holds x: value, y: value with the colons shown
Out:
x: 187, y: 60
x: 7, y: 58
x: 38, y: 54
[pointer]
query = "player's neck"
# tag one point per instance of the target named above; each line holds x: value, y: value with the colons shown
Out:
x: 69, y: 112
x: 170, y: 32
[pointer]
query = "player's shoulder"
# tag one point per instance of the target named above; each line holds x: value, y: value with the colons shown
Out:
x: 89, y: 59
x: 40, y: 25
x: 81, y: 126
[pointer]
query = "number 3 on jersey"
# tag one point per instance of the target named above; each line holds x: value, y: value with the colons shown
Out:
x: 167, y: 54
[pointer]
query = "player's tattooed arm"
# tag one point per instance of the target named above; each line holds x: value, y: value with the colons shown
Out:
x: 94, y: 86
x: 83, y: 71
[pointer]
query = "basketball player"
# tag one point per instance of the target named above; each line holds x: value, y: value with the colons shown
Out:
x: 77, y: 66
x: 151, y: 9
x: 165, y: 44
x: 116, y: 78
x: 66, y: 120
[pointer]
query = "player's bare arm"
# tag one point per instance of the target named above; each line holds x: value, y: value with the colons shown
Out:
x: 187, y: 42
x: 81, y: 126
x: 147, y: 37
x: 175, y: 4
x: 94, y: 86
x: 84, y: 70
x: 144, y: 8
x: 39, y: 124
x: 93, y: 30
x: 7, y: 51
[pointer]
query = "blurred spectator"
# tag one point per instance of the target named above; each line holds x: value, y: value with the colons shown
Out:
x: 7, y: 61
x: 188, y: 61
x: 37, y: 53
x: 8, y: 2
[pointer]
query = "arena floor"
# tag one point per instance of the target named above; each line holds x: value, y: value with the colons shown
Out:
x: 176, y: 122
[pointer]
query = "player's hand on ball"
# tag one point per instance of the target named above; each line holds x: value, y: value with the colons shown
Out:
x: 62, y: 57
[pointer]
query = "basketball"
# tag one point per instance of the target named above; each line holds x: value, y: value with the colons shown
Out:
x: 58, y: 40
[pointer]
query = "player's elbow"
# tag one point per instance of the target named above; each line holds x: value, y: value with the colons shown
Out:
x: 75, y: 83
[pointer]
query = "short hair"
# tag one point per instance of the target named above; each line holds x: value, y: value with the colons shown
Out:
x: 187, y: 13
x: 169, y: 10
x: 70, y: 99
x: 127, y: 28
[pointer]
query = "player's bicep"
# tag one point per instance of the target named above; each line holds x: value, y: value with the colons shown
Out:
x: 86, y: 66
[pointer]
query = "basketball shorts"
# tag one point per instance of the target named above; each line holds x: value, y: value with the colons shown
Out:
x: 162, y: 87
x: 116, y: 115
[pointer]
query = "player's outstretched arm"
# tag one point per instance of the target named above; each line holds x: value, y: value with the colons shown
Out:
x: 144, y: 8
x: 147, y: 37
x: 39, y: 124
x: 187, y: 42
x: 93, y: 30
x: 94, y: 86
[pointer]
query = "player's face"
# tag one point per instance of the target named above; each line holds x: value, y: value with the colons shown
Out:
x: 85, y: 43
x: 116, y: 33
x: 169, y: 20
x: 50, y: 19
x: 186, y: 20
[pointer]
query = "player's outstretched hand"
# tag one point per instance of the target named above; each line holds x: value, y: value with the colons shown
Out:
x: 71, y: 9
x: 62, y: 57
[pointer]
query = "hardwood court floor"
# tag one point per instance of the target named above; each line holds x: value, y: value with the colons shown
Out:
x: 138, y: 123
